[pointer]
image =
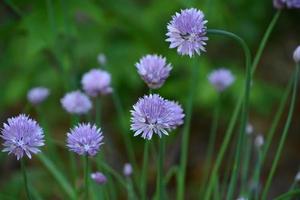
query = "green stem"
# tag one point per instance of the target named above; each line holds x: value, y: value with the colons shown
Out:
x: 245, y: 101
x: 160, y: 169
x: 186, y: 132
x: 23, y: 168
x: 284, y: 134
x: 211, y: 143
x: 86, y: 176
x: 144, y: 171
x: 264, y: 40
x: 246, y: 161
x: 98, y: 111
x: 294, y: 193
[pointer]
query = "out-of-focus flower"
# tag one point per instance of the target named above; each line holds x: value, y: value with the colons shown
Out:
x: 153, y: 114
x: 99, y: 178
x: 296, y: 55
x: 101, y: 59
x: 37, y: 95
x: 280, y: 4
x: 259, y: 141
x: 127, y: 170
x: 96, y: 82
x: 85, y: 139
x: 241, y: 198
x: 297, y: 177
x: 249, y: 129
x: 154, y: 70
x: 221, y: 79
x: 76, y: 102
x: 293, y: 3
x: 22, y: 135
x: 187, y: 32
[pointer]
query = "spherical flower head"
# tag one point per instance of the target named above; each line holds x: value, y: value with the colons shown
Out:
x: 221, y: 79
x: 296, y: 55
x: 22, y: 135
x: 127, y: 169
x: 153, y: 114
x: 85, y: 139
x: 154, y: 70
x: 249, y: 129
x: 101, y: 59
x: 76, y: 102
x: 96, y: 82
x: 187, y: 32
x: 37, y: 95
x: 297, y: 177
x: 99, y: 178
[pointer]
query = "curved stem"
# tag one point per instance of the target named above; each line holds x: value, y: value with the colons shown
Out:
x: 284, y: 134
x: 23, y: 168
x: 244, y: 101
x: 288, y: 195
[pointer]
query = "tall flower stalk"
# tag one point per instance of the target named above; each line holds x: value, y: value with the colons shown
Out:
x: 244, y: 114
x: 284, y: 133
x: 26, y: 184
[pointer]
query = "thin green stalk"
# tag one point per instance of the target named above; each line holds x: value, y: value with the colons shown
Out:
x: 160, y: 169
x: 245, y: 162
x: 144, y: 171
x: 114, y: 173
x: 172, y: 172
x: 294, y: 193
x: 276, y: 119
x: 186, y: 132
x: 26, y: 184
x: 211, y: 144
x: 130, y: 190
x: 264, y: 40
x: 86, y: 177
x: 284, y: 134
x: 65, y: 185
x: 98, y: 111
x: 256, y: 178
x: 244, y: 116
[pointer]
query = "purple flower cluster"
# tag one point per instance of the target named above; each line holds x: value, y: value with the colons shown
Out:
x: 85, y: 139
x: 154, y: 70
x: 76, y: 102
x: 280, y: 4
x: 22, y: 135
x: 221, y: 79
x: 153, y: 114
x: 37, y: 95
x: 96, y: 82
x: 99, y: 178
x: 187, y: 32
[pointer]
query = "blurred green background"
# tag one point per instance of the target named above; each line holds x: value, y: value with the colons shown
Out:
x: 39, y: 37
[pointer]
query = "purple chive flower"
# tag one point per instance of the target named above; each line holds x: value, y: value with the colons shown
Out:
x: 37, y: 95
x: 296, y: 55
x: 221, y: 79
x: 85, y: 139
x: 187, y: 32
x: 96, y: 82
x: 101, y: 59
x: 127, y: 170
x: 22, y: 135
x: 153, y: 114
x: 154, y: 70
x: 280, y: 4
x: 76, y: 102
x: 99, y: 178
